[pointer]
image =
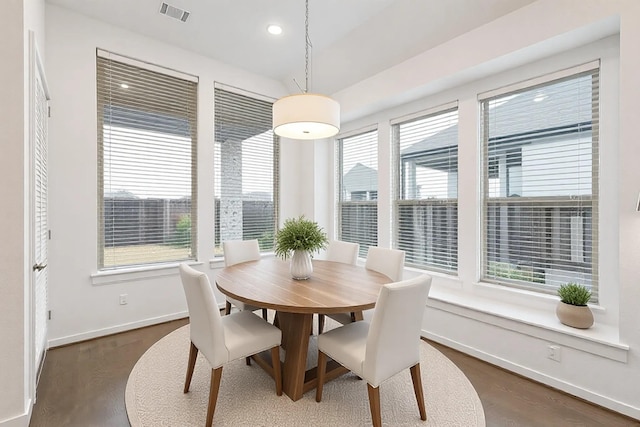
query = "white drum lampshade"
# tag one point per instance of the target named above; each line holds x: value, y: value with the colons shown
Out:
x: 306, y: 116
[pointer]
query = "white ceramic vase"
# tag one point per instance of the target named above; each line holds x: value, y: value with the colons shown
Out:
x: 301, y: 267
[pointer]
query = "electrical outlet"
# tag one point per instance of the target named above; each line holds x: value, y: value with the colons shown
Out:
x: 553, y: 352
x: 123, y: 299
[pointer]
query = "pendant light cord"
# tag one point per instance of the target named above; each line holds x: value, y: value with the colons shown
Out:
x: 307, y: 43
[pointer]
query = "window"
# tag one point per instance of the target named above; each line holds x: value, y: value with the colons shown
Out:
x: 358, y: 189
x: 246, y: 168
x: 540, y: 167
x: 147, y: 147
x: 426, y: 187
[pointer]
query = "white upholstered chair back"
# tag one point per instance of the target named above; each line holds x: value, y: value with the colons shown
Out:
x: 204, y: 316
x: 389, y: 262
x: 237, y: 251
x: 394, y: 333
x: 344, y: 252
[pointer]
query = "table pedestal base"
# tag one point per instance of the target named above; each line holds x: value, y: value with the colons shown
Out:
x: 296, y: 380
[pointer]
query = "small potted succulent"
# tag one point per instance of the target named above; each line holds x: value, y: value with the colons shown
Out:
x: 572, y: 309
x: 299, y: 238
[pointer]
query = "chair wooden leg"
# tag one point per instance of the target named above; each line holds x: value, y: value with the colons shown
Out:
x: 227, y: 308
x: 193, y: 354
x: 264, y: 313
x: 322, y: 369
x: 374, y: 405
x: 276, y: 321
x: 277, y: 371
x: 320, y: 323
x: 216, y: 376
x: 417, y: 388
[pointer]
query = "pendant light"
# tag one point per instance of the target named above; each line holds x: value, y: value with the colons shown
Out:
x: 306, y: 115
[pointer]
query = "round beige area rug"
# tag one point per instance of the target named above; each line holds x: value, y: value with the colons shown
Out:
x: 247, y: 395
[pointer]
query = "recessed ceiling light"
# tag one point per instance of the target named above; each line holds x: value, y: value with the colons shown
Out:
x: 274, y: 29
x: 124, y: 86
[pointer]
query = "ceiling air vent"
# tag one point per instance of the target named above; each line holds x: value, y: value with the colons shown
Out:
x: 174, y: 12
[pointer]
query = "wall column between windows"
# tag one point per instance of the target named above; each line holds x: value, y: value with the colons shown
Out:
x: 469, y: 206
x: 385, y: 186
x: 231, y: 190
x: 323, y: 184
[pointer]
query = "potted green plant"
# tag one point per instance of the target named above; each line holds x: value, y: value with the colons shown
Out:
x: 299, y: 238
x: 572, y: 309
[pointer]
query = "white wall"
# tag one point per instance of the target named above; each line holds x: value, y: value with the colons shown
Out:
x: 84, y: 306
x: 470, y: 316
x: 513, y: 328
x: 13, y: 276
x: 16, y: 367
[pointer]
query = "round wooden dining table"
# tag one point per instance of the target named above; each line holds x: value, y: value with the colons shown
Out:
x: 332, y: 288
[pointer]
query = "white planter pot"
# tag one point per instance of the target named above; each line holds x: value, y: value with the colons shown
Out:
x: 301, y: 267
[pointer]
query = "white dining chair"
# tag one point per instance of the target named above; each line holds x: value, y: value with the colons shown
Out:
x: 389, y: 262
x: 222, y: 339
x: 378, y: 350
x: 346, y: 253
x: 236, y: 252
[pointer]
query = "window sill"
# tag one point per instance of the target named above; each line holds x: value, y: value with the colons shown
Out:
x: 132, y: 274
x: 450, y: 281
x: 539, y: 322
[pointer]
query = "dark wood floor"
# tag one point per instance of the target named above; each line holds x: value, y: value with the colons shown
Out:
x: 83, y: 385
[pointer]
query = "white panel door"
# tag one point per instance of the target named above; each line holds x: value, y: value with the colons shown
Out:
x: 40, y: 233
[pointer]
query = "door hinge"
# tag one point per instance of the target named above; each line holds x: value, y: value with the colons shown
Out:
x: 49, y: 234
x: 49, y: 111
x: 49, y: 314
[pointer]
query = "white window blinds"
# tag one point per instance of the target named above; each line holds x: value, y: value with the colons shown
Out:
x: 146, y: 164
x: 426, y: 188
x: 540, y: 192
x: 358, y: 189
x: 246, y: 157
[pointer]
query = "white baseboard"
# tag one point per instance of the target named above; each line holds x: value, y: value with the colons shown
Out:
x: 21, y: 420
x: 598, y: 399
x: 57, y: 342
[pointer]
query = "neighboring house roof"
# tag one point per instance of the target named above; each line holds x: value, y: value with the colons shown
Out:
x: 532, y: 116
x: 444, y: 139
x: 360, y: 178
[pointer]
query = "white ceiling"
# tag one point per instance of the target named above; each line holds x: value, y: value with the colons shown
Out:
x: 352, y: 39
